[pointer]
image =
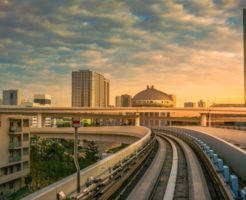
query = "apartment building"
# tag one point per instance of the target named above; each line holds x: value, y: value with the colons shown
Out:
x: 14, y: 152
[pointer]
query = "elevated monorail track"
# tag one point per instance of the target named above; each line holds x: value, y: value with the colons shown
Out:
x: 180, y: 168
x: 186, y: 173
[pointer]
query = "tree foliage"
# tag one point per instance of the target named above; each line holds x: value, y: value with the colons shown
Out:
x: 52, y: 160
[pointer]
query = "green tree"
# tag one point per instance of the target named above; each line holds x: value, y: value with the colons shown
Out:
x: 92, y: 151
x: 52, y: 160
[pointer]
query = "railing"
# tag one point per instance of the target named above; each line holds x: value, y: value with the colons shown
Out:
x: 242, y: 128
x: 68, y: 185
x: 13, y: 145
x: 14, y: 158
x: 15, y: 129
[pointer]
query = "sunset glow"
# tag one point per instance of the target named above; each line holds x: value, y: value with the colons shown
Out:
x: 189, y: 48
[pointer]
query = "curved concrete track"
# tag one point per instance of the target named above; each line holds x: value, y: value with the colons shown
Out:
x: 146, y: 184
x: 170, y: 189
x: 121, y: 134
x: 68, y: 185
x: 183, y: 180
x: 198, y: 188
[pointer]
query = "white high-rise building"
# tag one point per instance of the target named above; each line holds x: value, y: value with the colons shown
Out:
x: 89, y: 89
x: 11, y: 97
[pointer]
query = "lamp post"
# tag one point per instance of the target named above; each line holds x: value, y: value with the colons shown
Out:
x: 76, y: 125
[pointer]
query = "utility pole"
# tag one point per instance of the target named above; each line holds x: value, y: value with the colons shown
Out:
x: 76, y: 125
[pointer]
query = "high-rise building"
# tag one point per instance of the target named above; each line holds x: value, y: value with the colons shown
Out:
x: 124, y: 100
x: 89, y: 89
x: 14, y: 152
x: 244, y: 44
x: 42, y: 100
x: 11, y: 97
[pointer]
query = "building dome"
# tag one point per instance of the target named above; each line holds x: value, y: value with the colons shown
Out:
x: 151, y: 97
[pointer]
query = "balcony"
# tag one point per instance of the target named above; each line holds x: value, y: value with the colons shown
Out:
x: 15, y: 158
x: 14, y: 145
x: 13, y: 176
x: 15, y: 129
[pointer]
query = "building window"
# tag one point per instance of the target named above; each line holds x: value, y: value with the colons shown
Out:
x: 11, y: 185
x: 25, y: 165
x: 25, y: 137
x: 25, y: 151
x: 26, y: 123
x: 18, y: 167
x: 11, y: 170
x: 1, y: 172
x: 5, y: 169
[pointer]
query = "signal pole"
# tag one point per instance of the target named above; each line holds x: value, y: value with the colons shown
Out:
x: 76, y: 125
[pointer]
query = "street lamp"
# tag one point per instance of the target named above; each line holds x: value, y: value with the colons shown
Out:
x: 76, y: 125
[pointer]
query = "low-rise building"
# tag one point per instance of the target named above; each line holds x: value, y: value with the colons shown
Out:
x: 14, y: 152
x: 201, y: 104
x: 42, y: 100
x: 151, y: 97
x: 118, y: 101
x: 189, y: 104
x: 124, y: 100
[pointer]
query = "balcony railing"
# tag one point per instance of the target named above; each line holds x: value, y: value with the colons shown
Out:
x: 15, y: 129
x: 14, y: 158
x: 13, y: 145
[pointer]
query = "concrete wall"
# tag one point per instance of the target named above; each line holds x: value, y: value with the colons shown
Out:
x: 68, y: 184
x: 232, y: 155
x: 235, y: 136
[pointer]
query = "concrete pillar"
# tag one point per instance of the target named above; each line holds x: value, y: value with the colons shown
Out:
x: 170, y: 122
x: 159, y: 115
x: 137, y: 120
x: 39, y: 120
x: 203, y: 119
x: 209, y: 120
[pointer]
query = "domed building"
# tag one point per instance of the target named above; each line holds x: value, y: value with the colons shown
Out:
x: 151, y: 97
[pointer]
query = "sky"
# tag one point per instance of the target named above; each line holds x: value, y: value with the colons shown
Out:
x: 190, y: 48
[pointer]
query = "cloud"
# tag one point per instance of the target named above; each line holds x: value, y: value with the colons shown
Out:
x: 241, y: 3
x: 180, y: 46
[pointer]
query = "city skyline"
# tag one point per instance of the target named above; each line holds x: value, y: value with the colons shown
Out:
x: 183, y: 47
